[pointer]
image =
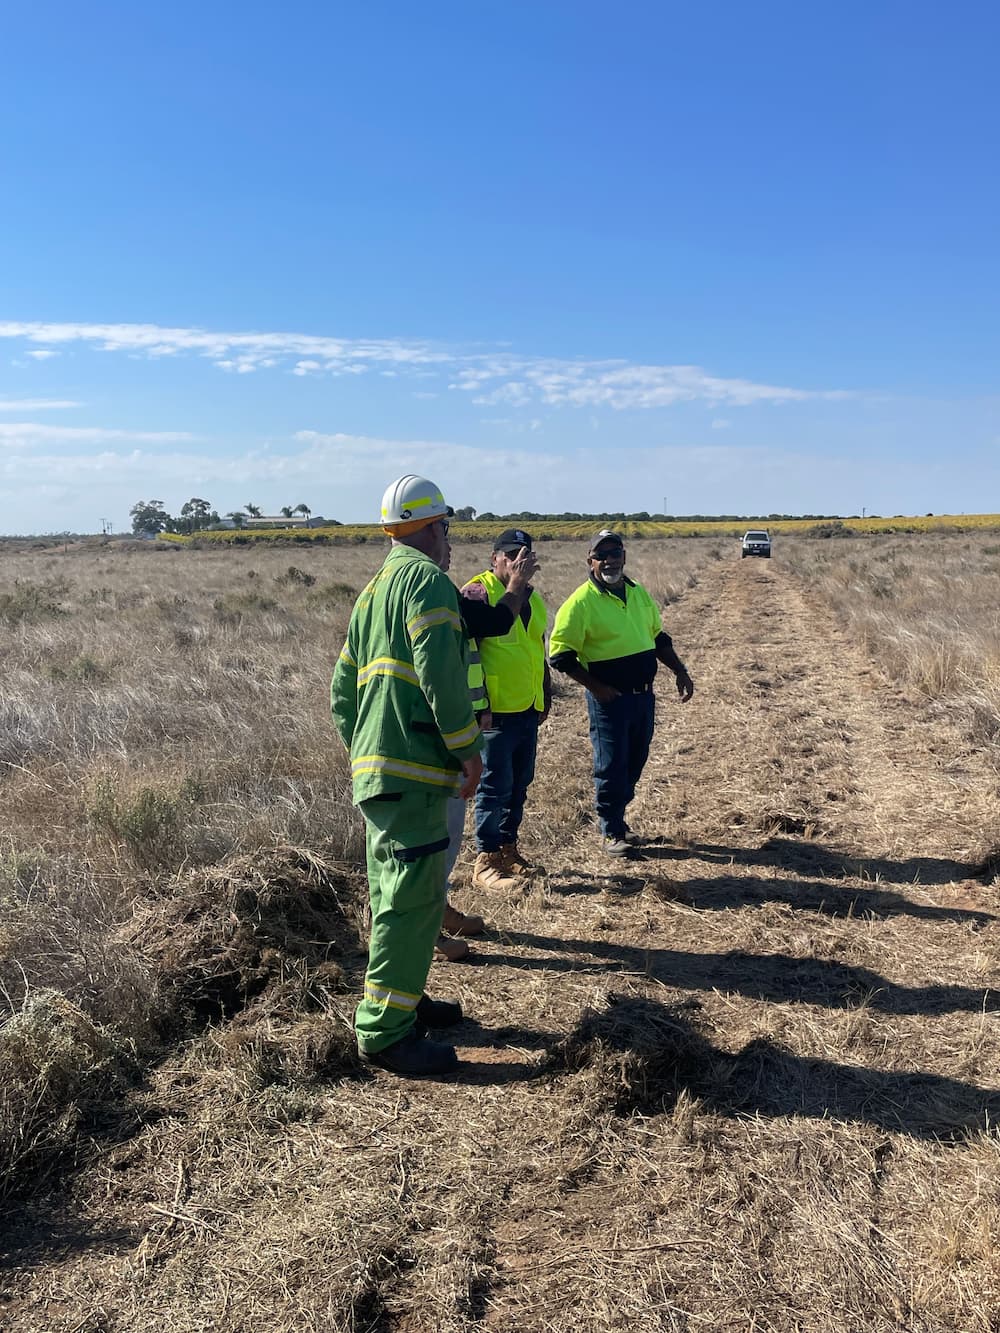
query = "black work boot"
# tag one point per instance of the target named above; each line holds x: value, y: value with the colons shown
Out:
x: 415, y: 1057
x: 438, y: 1013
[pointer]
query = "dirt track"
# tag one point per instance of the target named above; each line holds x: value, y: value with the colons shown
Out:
x: 735, y: 1084
x: 806, y: 940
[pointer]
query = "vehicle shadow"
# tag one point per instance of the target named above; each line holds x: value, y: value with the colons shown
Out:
x: 777, y: 978
x: 668, y: 1055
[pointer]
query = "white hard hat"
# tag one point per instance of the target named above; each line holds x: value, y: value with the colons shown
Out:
x: 410, y: 499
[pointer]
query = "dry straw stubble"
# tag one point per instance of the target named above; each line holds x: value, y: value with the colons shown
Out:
x: 742, y: 1083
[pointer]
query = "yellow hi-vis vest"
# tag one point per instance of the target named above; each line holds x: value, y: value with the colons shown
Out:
x: 514, y: 663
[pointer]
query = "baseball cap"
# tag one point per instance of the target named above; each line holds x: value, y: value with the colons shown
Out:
x: 511, y: 541
x: 605, y: 538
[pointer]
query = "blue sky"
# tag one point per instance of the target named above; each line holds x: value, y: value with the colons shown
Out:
x: 557, y: 256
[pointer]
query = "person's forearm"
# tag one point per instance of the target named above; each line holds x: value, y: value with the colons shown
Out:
x: 443, y: 680
x: 576, y: 671
x: 666, y: 653
x: 513, y: 599
x: 344, y: 699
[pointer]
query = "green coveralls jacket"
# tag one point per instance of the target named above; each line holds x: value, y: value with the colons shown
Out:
x: 400, y: 702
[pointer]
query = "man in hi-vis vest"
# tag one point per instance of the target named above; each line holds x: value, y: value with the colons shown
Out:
x: 520, y: 694
x: 480, y: 620
x: 400, y: 701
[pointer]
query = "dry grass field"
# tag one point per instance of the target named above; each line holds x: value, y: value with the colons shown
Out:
x: 746, y: 1082
x: 579, y: 529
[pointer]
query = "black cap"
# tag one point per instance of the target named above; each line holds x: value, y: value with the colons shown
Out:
x: 605, y: 538
x: 511, y: 541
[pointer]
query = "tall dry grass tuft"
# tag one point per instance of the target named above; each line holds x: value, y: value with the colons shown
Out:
x: 271, y: 940
x: 60, y: 1066
x: 925, y: 607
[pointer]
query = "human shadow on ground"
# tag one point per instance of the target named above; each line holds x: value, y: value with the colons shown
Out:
x: 817, y: 861
x: 54, y: 1230
x: 516, y: 1053
x: 720, y: 893
x: 666, y: 1054
x: 52, y: 1227
x: 777, y: 978
x: 513, y: 1035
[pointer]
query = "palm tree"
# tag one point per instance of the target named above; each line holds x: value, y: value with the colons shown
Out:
x: 253, y: 510
x: 304, y: 510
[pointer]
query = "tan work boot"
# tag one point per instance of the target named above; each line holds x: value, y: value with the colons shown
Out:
x: 461, y: 923
x: 447, y: 950
x: 492, y: 872
x: 516, y: 863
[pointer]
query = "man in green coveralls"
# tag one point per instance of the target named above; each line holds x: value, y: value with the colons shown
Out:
x: 400, y: 701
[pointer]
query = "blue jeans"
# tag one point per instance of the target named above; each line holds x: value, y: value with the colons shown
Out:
x: 620, y: 733
x: 508, y: 768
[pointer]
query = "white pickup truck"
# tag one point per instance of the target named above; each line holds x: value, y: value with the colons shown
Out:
x: 756, y: 542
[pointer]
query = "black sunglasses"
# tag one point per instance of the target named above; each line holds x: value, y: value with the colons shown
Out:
x: 444, y: 525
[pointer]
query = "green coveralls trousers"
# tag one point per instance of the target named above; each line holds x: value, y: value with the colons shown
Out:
x: 405, y: 837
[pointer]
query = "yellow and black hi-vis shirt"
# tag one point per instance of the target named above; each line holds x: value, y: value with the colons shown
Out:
x: 613, y: 637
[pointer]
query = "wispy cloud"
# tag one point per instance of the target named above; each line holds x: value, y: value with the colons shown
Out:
x: 490, y: 378
x: 514, y: 425
x: 232, y: 350
x: 36, y: 404
x: 32, y: 434
x: 42, y: 354
x: 618, y: 385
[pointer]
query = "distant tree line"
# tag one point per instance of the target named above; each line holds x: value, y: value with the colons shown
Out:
x: 196, y: 515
